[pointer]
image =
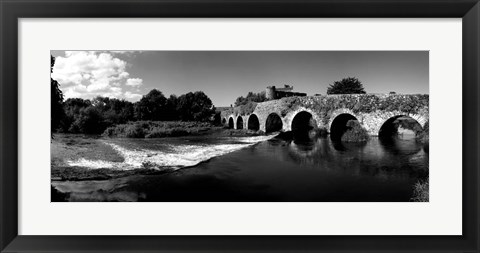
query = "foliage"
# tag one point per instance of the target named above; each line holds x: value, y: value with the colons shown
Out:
x: 88, y: 121
x: 95, y: 115
x: 171, y: 108
x: 152, y: 106
x: 157, y: 129
x: 355, y: 132
x: 423, y: 137
x: 409, y: 123
x: 195, y: 107
x: 251, y: 97
x: 56, y: 100
x: 349, y: 85
x: 114, y: 111
x: 245, y: 109
x: 421, y: 191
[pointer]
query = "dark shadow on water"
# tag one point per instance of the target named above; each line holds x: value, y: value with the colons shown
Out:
x: 284, y: 168
x: 339, y: 126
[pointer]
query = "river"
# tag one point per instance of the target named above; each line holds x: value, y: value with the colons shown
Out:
x: 262, y: 168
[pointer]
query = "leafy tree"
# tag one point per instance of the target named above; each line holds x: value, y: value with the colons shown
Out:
x: 195, y: 106
x: 151, y: 107
x: 95, y: 115
x: 349, y: 85
x: 81, y: 114
x: 72, y: 108
x: 56, y: 100
x: 89, y: 121
x: 171, y: 108
x: 251, y: 97
x: 114, y: 111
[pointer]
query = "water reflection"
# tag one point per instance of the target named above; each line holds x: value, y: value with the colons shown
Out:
x: 378, y: 157
x: 280, y: 169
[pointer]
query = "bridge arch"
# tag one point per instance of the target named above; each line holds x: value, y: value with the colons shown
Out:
x: 253, y: 123
x: 231, y: 123
x: 239, y: 122
x: 339, y: 125
x: 400, y: 126
x: 302, y: 123
x: 273, y: 123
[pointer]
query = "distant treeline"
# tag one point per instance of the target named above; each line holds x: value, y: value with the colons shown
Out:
x: 94, y: 116
x: 251, y: 97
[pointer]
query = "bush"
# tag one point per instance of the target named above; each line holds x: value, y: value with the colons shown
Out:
x: 245, y: 109
x: 157, y: 129
x: 423, y: 137
x: 134, y: 131
x: 421, y: 191
x: 355, y: 133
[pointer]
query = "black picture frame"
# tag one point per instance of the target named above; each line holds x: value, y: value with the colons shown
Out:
x: 12, y: 10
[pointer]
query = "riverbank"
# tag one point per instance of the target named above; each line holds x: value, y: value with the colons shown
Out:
x: 421, y: 191
x: 76, y: 147
x: 161, y: 129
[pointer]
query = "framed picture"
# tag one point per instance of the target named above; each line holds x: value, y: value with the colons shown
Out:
x: 239, y: 126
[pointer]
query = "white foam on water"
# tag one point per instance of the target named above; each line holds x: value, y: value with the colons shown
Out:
x: 93, y: 164
x: 178, y: 156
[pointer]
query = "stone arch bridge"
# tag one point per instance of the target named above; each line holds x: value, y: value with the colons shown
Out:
x: 328, y: 112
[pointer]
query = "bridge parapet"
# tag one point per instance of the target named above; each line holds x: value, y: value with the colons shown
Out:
x: 371, y: 110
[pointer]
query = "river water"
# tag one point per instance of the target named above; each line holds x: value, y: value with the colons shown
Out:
x: 263, y: 168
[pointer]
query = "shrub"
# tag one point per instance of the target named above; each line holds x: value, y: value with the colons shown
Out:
x: 157, y: 129
x: 245, y: 109
x: 421, y: 191
x: 134, y: 131
x: 109, y: 132
x: 423, y: 137
x: 355, y: 133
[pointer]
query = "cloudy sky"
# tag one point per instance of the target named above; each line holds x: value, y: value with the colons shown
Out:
x: 225, y: 75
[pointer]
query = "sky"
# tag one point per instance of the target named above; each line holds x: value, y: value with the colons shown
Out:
x: 226, y: 75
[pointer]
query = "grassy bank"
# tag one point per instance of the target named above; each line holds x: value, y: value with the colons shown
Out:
x: 159, y: 129
x: 75, y: 147
x: 421, y: 191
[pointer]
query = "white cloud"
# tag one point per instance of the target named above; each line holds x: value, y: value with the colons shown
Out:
x: 132, y: 96
x: 87, y: 74
x: 134, y: 82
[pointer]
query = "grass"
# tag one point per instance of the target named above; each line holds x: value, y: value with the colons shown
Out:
x: 72, y: 147
x: 421, y: 191
x: 158, y: 129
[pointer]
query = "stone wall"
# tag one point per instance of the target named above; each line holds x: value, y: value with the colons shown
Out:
x: 371, y: 110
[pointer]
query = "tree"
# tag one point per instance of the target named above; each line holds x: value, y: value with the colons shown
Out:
x: 72, y: 108
x: 114, y: 111
x: 195, y: 106
x: 251, y: 97
x: 349, y: 85
x: 171, y: 108
x: 89, y: 121
x: 56, y: 100
x: 94, y: 116
x: 151, y: 107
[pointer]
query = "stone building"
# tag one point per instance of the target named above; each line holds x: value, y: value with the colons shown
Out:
x: 272, y: 92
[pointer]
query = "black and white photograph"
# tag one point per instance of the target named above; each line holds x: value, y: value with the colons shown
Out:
x: 239, y: 126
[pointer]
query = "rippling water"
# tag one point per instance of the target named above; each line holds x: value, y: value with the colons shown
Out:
x: 255, y: 169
